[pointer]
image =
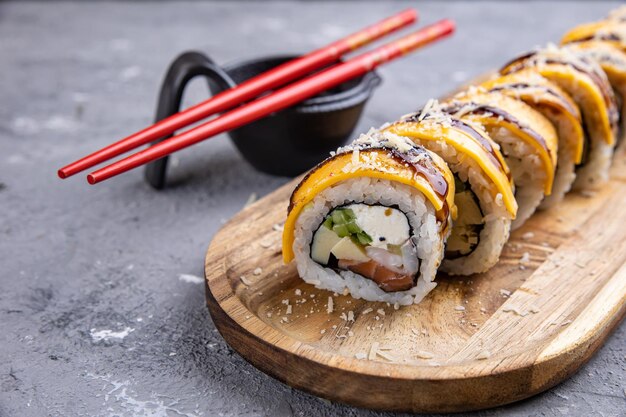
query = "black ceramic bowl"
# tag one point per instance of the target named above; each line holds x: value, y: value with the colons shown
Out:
x: 295, y: 139
x: 287, y: 142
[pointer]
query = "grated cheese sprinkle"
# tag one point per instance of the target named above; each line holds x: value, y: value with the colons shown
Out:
x: 515, y: 310
x: 373, y: 351
x: 485, y: 354
x: 422, y: 354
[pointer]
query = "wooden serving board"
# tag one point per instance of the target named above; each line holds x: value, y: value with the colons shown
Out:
x: 474, y: 342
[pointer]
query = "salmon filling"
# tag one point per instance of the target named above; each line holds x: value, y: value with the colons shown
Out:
x: 386, y: 279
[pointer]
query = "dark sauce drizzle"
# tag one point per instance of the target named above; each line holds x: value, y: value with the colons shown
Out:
x: 611, y: 37
x: 483, y: 109
x: 473, y: 133
x: 521, y: 86
x: 605, y: 89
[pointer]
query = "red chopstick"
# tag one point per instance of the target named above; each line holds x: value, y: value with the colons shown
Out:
x: 247, y: 90
x: 280, y: 99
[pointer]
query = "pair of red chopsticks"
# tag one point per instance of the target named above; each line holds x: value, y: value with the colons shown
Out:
x: 252, y: 88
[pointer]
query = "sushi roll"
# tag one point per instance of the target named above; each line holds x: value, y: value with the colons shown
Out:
x: 612, y: 31
x: 371, y: 220
x: 588, y: 85
x: 618, y: 15
x: 613, y: 62
x: 558, y: 107
x: 527, y: 140
x: 484, y: 186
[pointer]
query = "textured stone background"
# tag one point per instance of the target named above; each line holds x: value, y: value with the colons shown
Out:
x: 77, y: 261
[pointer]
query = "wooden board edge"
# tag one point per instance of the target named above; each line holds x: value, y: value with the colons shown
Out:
x: 428, y: 396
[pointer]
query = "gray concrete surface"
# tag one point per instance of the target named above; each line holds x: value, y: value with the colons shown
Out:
x: 95, y: 317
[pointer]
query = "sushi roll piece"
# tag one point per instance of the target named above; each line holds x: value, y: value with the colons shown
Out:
x: 560, y: 109
x: 484, y: 186
x: 371, y: 220
x: 612, y: 31
x: 588, y: 85
x: 618, y: 15
x: 527, y: 140
x: 613, y: 62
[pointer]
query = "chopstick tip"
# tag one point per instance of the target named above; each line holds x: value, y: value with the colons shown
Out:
x: 450, y: 24
x: 91, y: 179
x: 411, y: 12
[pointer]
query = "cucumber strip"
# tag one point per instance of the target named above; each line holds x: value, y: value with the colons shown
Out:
x: 341, y: 230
